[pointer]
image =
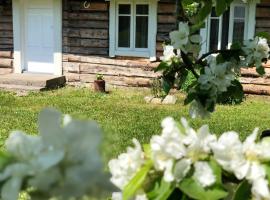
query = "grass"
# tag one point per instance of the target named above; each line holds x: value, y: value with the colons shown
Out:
x: 123, y: 114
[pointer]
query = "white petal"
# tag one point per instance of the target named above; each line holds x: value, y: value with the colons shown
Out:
x: 256, y: 171
x: 168, y: 174
x: 117, y: 196
x: 181, y: 169
x: 260, y: 189
x: 204, y: 174
x: 141, y: 197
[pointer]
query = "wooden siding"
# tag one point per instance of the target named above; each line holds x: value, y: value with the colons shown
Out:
x: 86, y: 45
x: 166, y: 22
x: 85, y: 31
x: 6, y: 37
x: 263, y: 16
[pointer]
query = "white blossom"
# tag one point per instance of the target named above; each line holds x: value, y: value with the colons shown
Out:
x: 180, y: 38
x: 204, y: 174
x: 168, y: 53
x: 167, y: 148
x: 242, y: 159
x: 126, y: 165
x: 119, y: 196
x: 255, y: 51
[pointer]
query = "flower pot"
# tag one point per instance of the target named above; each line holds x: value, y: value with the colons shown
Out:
x: 99, y: 85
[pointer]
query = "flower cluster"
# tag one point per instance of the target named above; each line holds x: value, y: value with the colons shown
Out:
x: 184, y: 41
x: 182, y: 156
x: 63, y: 161
x: 255, y: 50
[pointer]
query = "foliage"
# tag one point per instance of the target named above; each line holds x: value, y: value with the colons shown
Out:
x: 62, y: 162
x: 216, y: 76
x: 157, y: 88
x: 99, y: 77
x: 183, y: 163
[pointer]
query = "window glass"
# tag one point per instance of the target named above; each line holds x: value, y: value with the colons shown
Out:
x: 124, y: 31
x: 124, y: 9
x: 239, y: 24
x: 142, y: 26
x: 214, y: 31
x: 142, y: 9
x: 225, y: 29
x: 124, y: 22
x: 141, y: 32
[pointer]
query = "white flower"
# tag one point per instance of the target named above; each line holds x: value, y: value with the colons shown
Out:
x: 243, y: 160
x: 197, y: 110
x: 216, y: 75
x: 126, y: 165
x: 204, y: 174
x: 180, y: 38
x: 198, y: 142
x: 119, y: 196
x: 255, y: 51
x: 260, y: 189
x: 167, y: 148
x: 168, y: 53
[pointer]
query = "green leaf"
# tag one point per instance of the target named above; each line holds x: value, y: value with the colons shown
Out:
x: 195, y: 191
x: 205, y: 10
x: 267, y: 170
x: 161, y: 67
x: 5, y: 159
x: 217, y: 171
x: 137, y: 181
x: 166, y: 87
x: 221, y: 6
x: 260, y: 70
x: 265, y: 35
x: 243, y: 191
x: 162, y: 191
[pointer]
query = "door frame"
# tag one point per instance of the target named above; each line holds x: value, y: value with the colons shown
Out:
x: 19, y: 36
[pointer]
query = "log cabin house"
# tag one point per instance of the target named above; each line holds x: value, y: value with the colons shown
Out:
x: 121, y: 39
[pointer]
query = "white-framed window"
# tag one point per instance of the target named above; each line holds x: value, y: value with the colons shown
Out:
x: 133, y: 28
x: 235, y: 25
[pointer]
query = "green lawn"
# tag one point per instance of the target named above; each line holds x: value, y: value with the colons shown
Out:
x: 123, y: 114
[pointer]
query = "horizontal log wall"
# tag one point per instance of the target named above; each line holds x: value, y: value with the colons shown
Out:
x: 263, y: 16
x: 6, y: 37
x: 126, y: 72
x: 85, y: 31
x: 166, y: 22
x: 86, y: 45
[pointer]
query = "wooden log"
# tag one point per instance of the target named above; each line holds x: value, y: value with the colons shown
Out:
x: 118, y: 61
x: 116, y: 80
x: 80, y: 42
x: 97, y: 16
x: 71, y: 67
x: 167, y: 19
x: 263, y: 12
x: 6, y: 41
x: 116, y: 71
x: 257, y: 81
x: 6, y: 62
x: 6, y: 34
x: 86, y: 33
x: 164, y: 8
x: 262, y: 23
x: 79, y: 6
x: 86, y: 24
x: 85, y: 50
x: 6, y: 54
x: 251, y: 72
x: 256, y: 89
x: 6, y: 26
x: 6, y: 71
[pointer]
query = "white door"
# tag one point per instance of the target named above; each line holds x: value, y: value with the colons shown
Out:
x: 39, y: 36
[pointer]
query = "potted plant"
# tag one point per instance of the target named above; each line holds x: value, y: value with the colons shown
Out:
x: 99, y: 83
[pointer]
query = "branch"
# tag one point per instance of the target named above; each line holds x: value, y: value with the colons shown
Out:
x: 213, y: 52
x: 189, y: 64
